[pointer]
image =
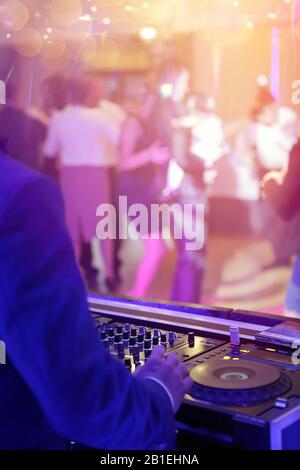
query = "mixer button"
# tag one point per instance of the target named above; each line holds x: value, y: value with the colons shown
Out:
x: 191, y: 339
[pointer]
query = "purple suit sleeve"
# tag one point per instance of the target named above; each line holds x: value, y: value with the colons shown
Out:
x: 51, y: 339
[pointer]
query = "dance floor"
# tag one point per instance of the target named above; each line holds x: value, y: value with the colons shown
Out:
x: 234, y: 274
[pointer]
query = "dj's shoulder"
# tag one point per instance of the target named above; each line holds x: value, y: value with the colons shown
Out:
x: 17, y: 181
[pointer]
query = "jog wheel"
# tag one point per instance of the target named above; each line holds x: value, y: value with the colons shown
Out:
x: 241, y: 383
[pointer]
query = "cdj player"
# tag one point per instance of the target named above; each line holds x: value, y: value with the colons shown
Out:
x: 245, y: 368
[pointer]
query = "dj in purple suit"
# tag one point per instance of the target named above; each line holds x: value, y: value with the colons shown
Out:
x: 58, y: 383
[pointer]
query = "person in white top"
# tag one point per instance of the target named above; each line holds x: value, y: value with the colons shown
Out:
x: 273, y: 133
x: 274, y: 141
x: 115, y: 117
x: 78, y: 133
x: 77, y: 136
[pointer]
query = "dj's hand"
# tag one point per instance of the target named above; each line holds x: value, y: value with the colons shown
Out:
x: 169, y: 371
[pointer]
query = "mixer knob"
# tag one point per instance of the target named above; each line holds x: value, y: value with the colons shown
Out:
x: 127, y: 363
x: 191, y: 339
x: 136, y: 355
x: 104, y: 339
x: 141, y: 330
x: 120, y: 351
x: 133, y: 332
x: 156, y: 333
x: 148, y: 335
x: 99, y: 326
x: 132, y: 344
x: 155, y: 340
x: 147, y: 353
x: 111, y: 335
x: 117, y: 339
x: 111, y: 332
x: 163, y: 339
x: 119, y: 330
x: 172, y: 337
x: 127, y: 327
x: 103, y: 336
x: 147, y: 348
x: 126, y: 335
x: 140, y: 339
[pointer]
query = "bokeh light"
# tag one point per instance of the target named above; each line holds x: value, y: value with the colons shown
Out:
x: 148, y: 33
x: 28, y: 42
x: 14, y: 15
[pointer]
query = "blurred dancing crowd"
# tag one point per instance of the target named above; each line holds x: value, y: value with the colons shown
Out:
x: 163, y: 144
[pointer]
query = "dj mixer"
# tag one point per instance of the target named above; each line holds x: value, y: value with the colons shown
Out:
x: 245, y: 368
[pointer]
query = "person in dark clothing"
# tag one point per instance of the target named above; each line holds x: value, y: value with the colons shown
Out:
x: 273, y: 134
x: 283, y: 191
x: 286, y: 196
x: 59, y: 383
x: 24, y: 134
